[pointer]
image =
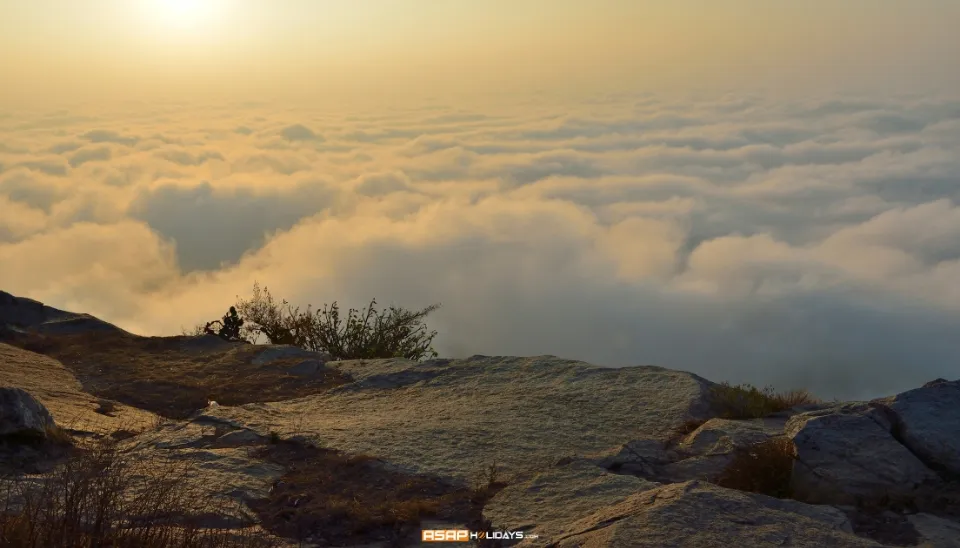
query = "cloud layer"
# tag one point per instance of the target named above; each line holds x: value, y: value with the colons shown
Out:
x: 746, y: 239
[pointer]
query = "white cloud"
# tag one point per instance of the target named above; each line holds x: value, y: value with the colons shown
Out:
x: 801, y: 244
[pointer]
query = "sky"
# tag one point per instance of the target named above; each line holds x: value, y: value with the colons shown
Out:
x: 755, y: 191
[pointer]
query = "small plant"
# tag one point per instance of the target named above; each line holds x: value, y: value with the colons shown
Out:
x: 298, y: 423
x: 746, y: 401
x: 487, y: 482
x: 764, y: 468
x: 227, y: 328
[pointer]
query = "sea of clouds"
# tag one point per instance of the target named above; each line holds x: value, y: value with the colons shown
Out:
x: 795, y: 243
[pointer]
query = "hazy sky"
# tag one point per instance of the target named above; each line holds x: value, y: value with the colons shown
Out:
x: 308, y: 47
x: 759, y: 191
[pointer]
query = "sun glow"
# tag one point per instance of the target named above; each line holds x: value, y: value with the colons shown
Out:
x: 183, y: 14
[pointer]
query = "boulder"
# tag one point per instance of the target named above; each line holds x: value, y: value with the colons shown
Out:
x: 701, y: 514
x: 22, y: 415
x: 927, y: 421
x: 848, y: 453
x: 61, y: 393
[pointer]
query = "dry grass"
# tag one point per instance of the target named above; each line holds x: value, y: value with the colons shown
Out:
x: 98, y: 497
x: 765, y: 468
x: 746, y: 401
x: 347, y: 499
x: 157, y: 374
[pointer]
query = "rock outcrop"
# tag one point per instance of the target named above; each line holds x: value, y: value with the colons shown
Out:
x: 23, y: 312
x: 574, y: 454
x: 19, y: 313
x: 454, y: 417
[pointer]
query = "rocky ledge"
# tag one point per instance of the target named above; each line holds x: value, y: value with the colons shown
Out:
x: 570, y: 454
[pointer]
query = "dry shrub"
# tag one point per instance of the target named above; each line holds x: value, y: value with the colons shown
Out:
x: 487, y: 483
x: 746, y: 401
x: 765, y: 468
x: 102, y: 497
x: 363, y: 334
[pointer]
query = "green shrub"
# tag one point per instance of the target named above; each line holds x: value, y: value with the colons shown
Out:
x: 390, y: 333
x: 746, y: 401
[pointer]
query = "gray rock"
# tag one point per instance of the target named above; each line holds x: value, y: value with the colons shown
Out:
x: 936, y: 532
x: 848, y: 452
x: 700, y: 514
x: 22, y: 414
x: 927, y: 421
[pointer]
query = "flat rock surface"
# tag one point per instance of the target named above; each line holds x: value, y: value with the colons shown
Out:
x: 60, y: 392
x: 936, y: 532
x: 220, y: 467
x: 455, y: 417
x: 551, y: 501
x: 699, y: 514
